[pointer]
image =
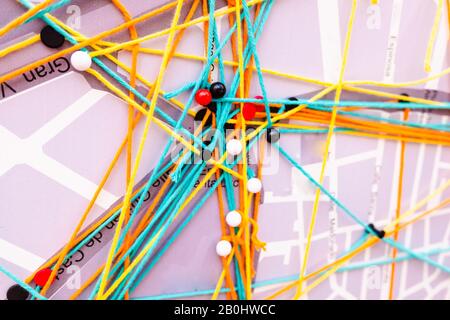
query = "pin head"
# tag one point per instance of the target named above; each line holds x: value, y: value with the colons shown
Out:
x: 223, y: 248
x: 259, y: 107
x: 16, y: 292
x: 291, y: 106
x: 233, y: 218
x: 272, y: 135
x: 203, y: 97
x: 234, y: 147
x: 254, y: 185
x: 403, y: 101
x: 218, y: 90
x: 51, y: 38
x: 41, y: 277
x: 248, y: 111
x: 81, y: 60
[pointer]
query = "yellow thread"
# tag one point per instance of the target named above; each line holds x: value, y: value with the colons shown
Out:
x: 399, y: 84
x: 433, y: 35
x: 341, y: 85
x: 120, y: 46
x: 248, y: 291
x: 225, y: 62
x: 370, y: 241
x: 19, y: 20
x: 327, y: 145
x: 130, y: 186
x: 149, y: 245
x: 20, y: 45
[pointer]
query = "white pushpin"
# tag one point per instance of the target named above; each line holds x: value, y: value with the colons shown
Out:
x: 234, y: 147
x: 254, y: 185
x: 233, y: 218
x: 223, y: 248
x: 81, y: 60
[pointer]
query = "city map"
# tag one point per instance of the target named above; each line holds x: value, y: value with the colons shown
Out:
x: 340, y: 110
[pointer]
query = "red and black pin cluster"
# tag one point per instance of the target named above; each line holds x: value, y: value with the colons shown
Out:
x: 17, y: 292
x: 205, y: 98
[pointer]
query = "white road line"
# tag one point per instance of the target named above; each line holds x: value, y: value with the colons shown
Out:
x: 355, y: 158
x: 439, y: 58
x: 19, y: 256
x: 66, y: 117
x: 434, y: 176
x: 413, y: 199
x: 71, y: 180
x: 391, y: 50
x: 330, y: 38
x: 30, y: 151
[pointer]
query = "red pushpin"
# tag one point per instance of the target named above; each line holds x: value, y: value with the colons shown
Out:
x: 260, y: 107
x: 203, y: 97
x: 41, y: 277
x: 249, y: 111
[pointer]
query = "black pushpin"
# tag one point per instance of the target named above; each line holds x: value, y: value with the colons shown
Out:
x: 16, y: 292
x: 218, y: 90
x: 200, y: 115
x: 380, y: 233
x: 51, y: 38
x: 274, y: 109
x: 289, y: 107
x: 404, y: 101
x: 272, y: 135
x: 212, y: 107
x: 229, y: 126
